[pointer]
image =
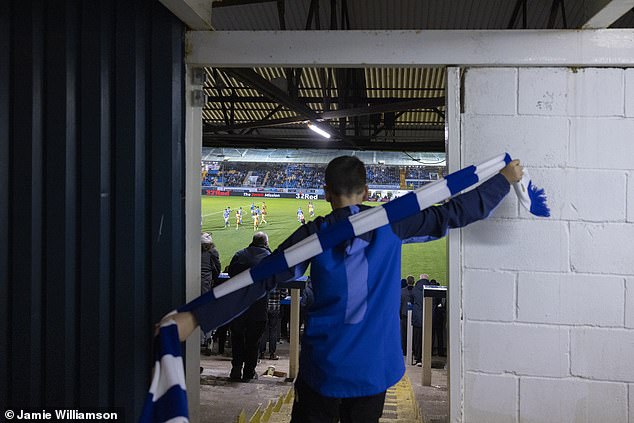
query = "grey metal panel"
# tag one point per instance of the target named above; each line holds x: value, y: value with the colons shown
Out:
x: 26, y: 216
x: 130, y: 259
x: 91, y: 117
x: 59, y: 185
x: 95, y: 206
x: 5, y: 120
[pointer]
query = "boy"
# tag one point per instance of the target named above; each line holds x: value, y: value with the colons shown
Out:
x: 351, y: 351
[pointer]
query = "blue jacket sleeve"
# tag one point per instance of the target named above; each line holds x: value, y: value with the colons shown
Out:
x: 434, y: 222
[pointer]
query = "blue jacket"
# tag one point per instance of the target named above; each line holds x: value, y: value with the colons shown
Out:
x: 351, y: 345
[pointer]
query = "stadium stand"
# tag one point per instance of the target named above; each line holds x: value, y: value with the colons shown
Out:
x: 268, y: 169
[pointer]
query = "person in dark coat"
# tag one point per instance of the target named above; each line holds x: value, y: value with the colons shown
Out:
x: 209, y: 263
x: 247, y: 328
x: 438, y: 325
x: 417, y: 318
x: 406, y: 298
x: 272, y: 330
x: 209, y: 271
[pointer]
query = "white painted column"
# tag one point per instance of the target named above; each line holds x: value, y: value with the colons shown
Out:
x: 193, y: 145
x: 454, y: 255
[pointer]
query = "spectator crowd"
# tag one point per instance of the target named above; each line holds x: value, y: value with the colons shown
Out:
x: 310, y: 175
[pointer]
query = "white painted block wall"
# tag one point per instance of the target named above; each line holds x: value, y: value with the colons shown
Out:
x: 548, y: 304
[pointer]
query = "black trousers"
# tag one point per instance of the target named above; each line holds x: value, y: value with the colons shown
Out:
x: 417, y: 343
x: 312, y: 407
x: 245, y: 339
x: 221, y: 337
x: 438, y: 333
x: 271, y: 332
x: 404, y: 334
x: 285, y: 313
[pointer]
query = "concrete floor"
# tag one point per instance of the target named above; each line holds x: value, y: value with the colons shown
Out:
x: 221, y: 399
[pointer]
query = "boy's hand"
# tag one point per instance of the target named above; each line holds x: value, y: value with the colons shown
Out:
x: 186, y: 323
x: 513, y: 171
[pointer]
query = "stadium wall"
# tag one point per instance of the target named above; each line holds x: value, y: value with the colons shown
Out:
x: 91, y: 198
x: 548, y: 329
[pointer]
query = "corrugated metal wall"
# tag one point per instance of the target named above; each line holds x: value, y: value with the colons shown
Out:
x: 91, y: 197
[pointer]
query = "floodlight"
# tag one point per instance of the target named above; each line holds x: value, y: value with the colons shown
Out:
x: 317, y: 129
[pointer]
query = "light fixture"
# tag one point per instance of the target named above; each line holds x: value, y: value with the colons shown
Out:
x: 317, y: 129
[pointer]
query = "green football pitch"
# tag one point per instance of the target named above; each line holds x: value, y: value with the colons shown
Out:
x: 429, y: 257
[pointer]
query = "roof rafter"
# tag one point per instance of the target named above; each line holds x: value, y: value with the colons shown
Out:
x: 431, y: 103
x: 252, y: 78
x: 605, y: 12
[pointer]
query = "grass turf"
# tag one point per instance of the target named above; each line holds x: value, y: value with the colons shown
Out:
x: 429, y: 257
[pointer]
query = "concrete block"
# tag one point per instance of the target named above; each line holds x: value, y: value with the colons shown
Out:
x: 630, y: 197
x: 489, y: 295
x: 536, y: 141
x: 604, y: 354
x: 572, y: 400
x: 629, y: 97
x: 629, y: 303
x: 523, y: 349
x: 570, y: 299
x: 602, y: 248
x: 490, y: 398
x: 542, y: 91
x: 490, y: 91
x: 602, y: 143
x: 574, y: 194
x: 595, y: 92
x: 531, y: 245
x: 564, y: 92
x: 631, y: 405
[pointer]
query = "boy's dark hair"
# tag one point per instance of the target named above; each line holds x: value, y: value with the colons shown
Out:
x: 345, y: 175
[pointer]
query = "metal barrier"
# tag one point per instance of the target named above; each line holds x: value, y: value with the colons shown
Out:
x: 429, y: 292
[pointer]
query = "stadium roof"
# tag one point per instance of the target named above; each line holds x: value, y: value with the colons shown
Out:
x: 371, y: 108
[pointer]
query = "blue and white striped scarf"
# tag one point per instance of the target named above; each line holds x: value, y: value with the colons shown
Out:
x: 167, y: 399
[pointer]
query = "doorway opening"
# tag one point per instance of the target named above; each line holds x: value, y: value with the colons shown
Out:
x: 257, y: 140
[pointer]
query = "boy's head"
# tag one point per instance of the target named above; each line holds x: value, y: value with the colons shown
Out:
x: 345, y: 176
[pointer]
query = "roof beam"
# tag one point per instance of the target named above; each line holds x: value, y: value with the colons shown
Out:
x: 309, y: 100
x: 423, y: 103
x: 263, y: 85
x: 196, y: 14
x: 604, y: 13
x: 603, y: 47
